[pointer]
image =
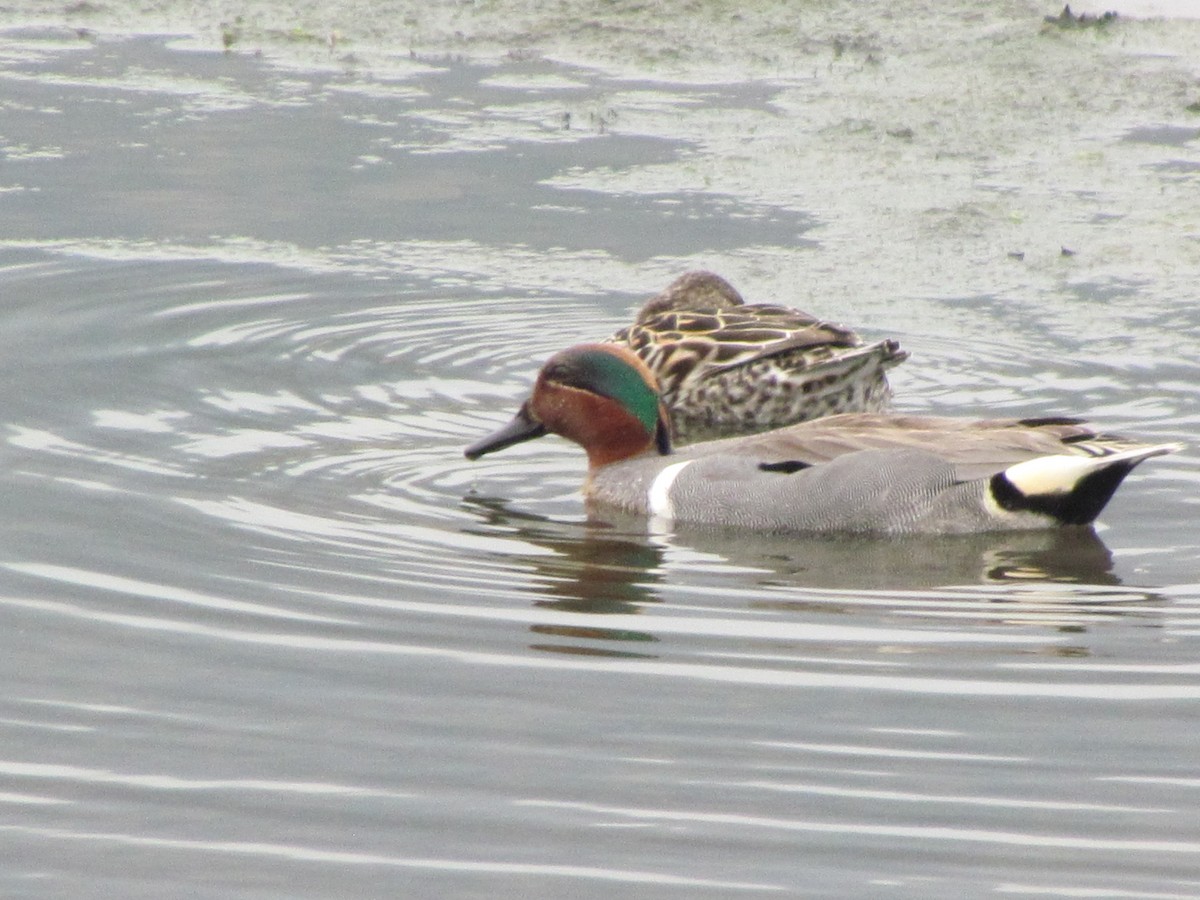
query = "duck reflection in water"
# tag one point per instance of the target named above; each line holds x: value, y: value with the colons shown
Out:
x: 614, y: 565
x: 1073, y: 556
x: 592, y: 570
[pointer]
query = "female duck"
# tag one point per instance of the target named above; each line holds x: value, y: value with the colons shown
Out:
x: 863, y: 473
x: 727, y: 368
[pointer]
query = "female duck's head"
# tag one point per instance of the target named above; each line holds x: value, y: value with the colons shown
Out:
x: 601, y: 396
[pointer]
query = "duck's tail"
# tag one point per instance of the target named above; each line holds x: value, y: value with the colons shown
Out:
x: 1070, y: 489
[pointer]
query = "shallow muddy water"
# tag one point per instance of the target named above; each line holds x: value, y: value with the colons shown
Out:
x: 265, y: 633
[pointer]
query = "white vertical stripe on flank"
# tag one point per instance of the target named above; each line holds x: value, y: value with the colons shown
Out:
x: 658, y: 498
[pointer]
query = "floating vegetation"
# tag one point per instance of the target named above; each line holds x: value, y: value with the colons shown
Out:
x: 1068, y: 19
x: 231, y: 33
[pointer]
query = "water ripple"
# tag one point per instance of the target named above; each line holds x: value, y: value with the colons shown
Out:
x: 305, y: 854
x: 908, y: 832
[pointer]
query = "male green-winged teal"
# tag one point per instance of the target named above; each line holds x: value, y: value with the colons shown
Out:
x: 729, y: 368
x: 856, y: 472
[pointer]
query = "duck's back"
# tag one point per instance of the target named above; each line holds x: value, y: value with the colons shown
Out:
x: 729, y: 368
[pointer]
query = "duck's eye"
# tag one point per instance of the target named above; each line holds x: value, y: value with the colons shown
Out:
x: 566, y: 374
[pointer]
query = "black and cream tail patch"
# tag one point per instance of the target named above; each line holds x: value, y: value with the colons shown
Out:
x: 1070, y: 489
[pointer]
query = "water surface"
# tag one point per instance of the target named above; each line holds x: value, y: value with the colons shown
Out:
x: 267, y: 634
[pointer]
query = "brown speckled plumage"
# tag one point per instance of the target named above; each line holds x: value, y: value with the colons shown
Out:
x: 727, y: 367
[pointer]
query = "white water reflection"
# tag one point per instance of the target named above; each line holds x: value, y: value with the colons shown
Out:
x: 913, y: 832
x: 302, y: 854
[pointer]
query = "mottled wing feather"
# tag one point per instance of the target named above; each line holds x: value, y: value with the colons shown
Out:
x: 679, y: 346
x: 807, y: 349
x: 727, y: 367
